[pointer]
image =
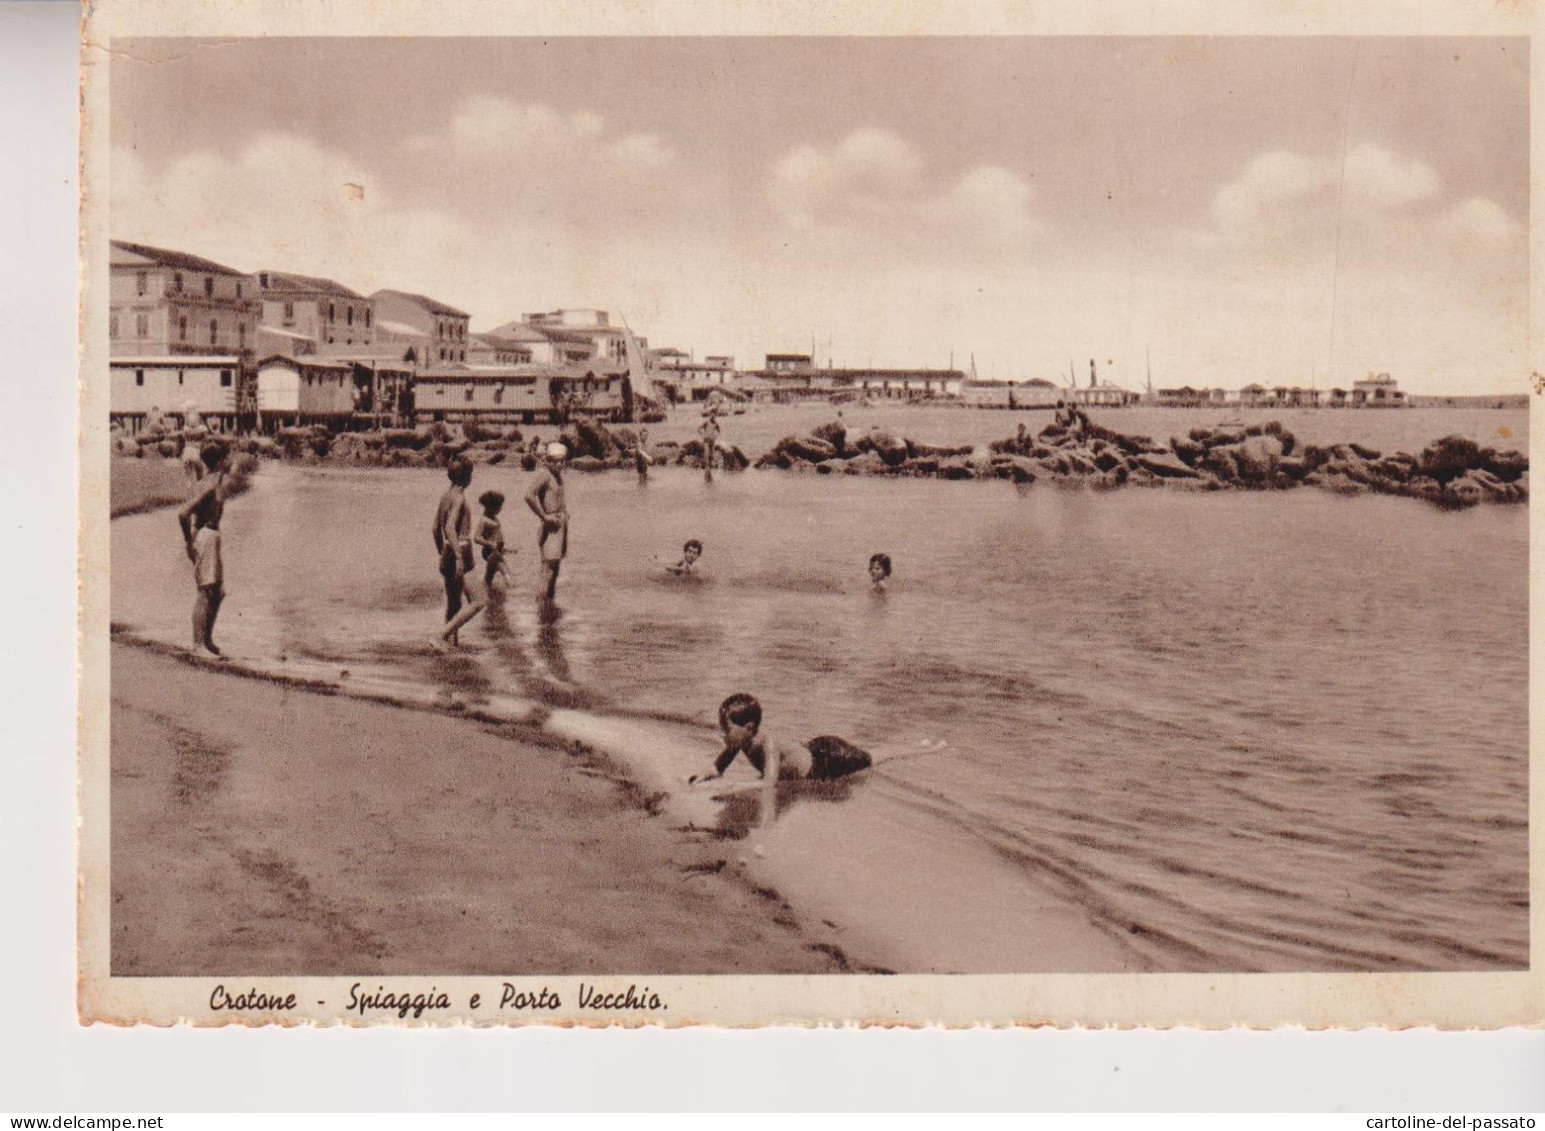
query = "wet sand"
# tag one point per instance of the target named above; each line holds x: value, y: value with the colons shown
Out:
x: 262, y: 829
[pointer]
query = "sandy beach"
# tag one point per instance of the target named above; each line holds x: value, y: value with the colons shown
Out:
x: 262, y: 829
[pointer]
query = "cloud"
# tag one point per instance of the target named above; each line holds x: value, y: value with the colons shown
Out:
x: 873, y: 178
x: 1387, y: 180
x: 1267, y: 181
x: 1481, y: 221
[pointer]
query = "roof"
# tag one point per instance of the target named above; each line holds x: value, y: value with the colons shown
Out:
x: 517, y: 332
x: 387, y: 327
x: 302, y: 363
x: 264, y: 328
x: 434, y: 306
x: 172, y: 361
x: 180, y: 260
x: 283, y: 282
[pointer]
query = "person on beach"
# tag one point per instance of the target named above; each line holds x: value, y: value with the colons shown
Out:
x: 879, y: 572
x: 641, y: 455
x: 192, y: 458
x: 546, y: 502
x: 200, y: 521
x: 490, y: 536
x: 453, y: 545
x: 687, y: 567
x: 710, y: 433
x: 825, y: 758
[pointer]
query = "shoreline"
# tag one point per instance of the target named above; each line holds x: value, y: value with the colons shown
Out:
x: 326, y: 861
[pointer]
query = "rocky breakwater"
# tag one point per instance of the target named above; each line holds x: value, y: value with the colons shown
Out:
x: 592, y: 447
x: 1453, y: 472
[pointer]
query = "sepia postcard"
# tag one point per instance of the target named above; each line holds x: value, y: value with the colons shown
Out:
x: 779, y: 515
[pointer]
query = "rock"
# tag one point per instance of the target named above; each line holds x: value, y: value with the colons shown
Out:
x: 1221, y: 438
x: 1165, y: 466
x: 956, y: 468
x: 921, y: 465
x: 591, y: 439
x: 1188, y: 451
x: 1257, y: 459
x: 1463, y: 492
x: 810, y: 448
x: 775, y: 458
x: 1107, y: 459
x: 1022, y: 470
x: 1363, y: 453
x: 1294, y: 469
x: 834, y: 433
x: 1449, y: 458
x: 941, y: 451
x: 869, y: 463
x: 1507, y: 465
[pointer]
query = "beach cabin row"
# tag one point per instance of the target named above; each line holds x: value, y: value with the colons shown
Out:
x: 215, y: 387
x: 519, y: 395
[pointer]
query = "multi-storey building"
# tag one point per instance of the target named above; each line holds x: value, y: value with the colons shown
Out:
x: 181, y: 330
x: 168, y: 304
x: 433, y: 332
x: 307, y: 316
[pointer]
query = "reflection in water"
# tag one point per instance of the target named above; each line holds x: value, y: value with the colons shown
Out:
x: 1269, y: 731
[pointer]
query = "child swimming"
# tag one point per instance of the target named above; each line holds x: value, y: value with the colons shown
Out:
x: 687, y: 567
x: 879, y: 572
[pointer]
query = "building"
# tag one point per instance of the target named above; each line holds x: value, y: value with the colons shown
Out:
x: 308, y: 316
x: 789, y: 365
x: 303, y: 390
x: 430, y: 333
x: 518, y: 394
x: 170, y: 304
x: 525, y: 343
x: 1377, y: 391
x: 593, y: 326
x: 214, y: 386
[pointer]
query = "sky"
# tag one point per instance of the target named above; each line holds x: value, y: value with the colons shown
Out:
x: 1217, y: 211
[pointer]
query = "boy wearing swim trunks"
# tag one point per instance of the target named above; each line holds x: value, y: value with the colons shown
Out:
x: 824, y: 758
x: 453, y: 544
x: 200, y: 521
x: 546, y: 502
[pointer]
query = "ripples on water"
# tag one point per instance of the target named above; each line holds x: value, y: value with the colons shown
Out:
x: 1244, y: 732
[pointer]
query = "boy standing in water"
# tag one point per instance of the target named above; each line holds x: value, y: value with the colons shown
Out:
x: 200, y: 522
x: 453, y: 544
x: 546, y: 502
x: 490, y: 536
x: 825, y: 758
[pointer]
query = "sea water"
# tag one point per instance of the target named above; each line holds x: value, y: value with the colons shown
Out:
x: 1238, y: 731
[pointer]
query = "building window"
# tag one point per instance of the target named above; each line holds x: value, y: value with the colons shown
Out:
x: 225, y: 378
x: 139, y: 376
x: 289, y: 313
x: 182, y: 328
x: 241, y: 335
x: 209, y: 286
x: 498, y: 394
x: 177, y: 281
x: 238, y: 288
x: 214, y: 332
x: 469, y: 392
x: 112, y: 325
x: 141, y: 282
x: 179, y: 376
x: 350, y: 316
x: 142, y: 325
x: 332, y: 313
x: 367, y: 318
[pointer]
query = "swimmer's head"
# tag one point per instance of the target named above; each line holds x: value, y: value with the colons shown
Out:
x: 740, y: 716
x: 879, y: 568
x: 492, y: 501
x: 557, y: 454
x: 692, y: 550
x: 459, y: 471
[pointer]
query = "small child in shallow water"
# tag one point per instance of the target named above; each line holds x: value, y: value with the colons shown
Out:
x: 687, y: 567
x: 821, y: 759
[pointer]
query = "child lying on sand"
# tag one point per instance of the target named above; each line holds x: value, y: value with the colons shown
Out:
x: 820, y: 759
